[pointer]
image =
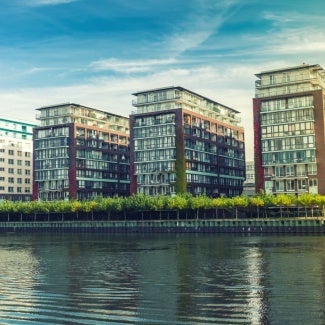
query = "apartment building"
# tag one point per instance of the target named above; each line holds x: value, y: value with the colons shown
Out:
x: 289, y: 130
x: 80, y: 153
x: 249, y: 184
x: 184, y: 142
x: 16, y: 160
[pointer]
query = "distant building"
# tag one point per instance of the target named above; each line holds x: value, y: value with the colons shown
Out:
x: 290, y: 130
x: 16, y: 159
x: 249, y: 184
x: 80, y: 153
x: 184, y: 142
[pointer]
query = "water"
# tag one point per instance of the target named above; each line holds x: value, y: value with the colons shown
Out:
x: 161, y: 279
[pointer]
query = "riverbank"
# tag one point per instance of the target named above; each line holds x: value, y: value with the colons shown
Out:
x: 279, y: 225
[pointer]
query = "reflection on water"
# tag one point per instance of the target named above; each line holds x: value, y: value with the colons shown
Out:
x: 161, y: 279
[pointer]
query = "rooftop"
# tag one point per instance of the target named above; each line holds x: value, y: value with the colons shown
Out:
x: 185, y: 90
x: 80, y: 106
x: 302, y: 66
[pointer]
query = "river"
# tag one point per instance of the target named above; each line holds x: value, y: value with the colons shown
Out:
x: 162, y: 279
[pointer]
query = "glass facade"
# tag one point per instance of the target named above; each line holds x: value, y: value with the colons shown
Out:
x: 102, y: 162
x: 214, y: 155
x: 81, y: 153
x: 51, y: 168
x: 184, y: 142
x: 287, y: 127
x: 155, y: 153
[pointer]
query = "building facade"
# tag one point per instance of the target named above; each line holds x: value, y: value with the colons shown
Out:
x: 80, y: 153
x: 16, y: 160
x: 184, y: 142
x: 249, y: 184
x: 289, y: 130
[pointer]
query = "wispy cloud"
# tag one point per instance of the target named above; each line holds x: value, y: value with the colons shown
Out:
x: 293, y: 17
x: 200, y: 26
x: 126, y: 66
x: 100, y: 52
x: 228, y: 85
x: 36, y: 3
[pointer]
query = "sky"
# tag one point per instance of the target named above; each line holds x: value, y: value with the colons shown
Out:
x: 98, y: 52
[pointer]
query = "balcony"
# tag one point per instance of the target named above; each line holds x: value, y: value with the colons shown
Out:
x: 138, y: 102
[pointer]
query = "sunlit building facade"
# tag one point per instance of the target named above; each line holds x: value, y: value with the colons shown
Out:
x: 16, y: 160
x: 290, y: 130
x: 249, y: 184
x: 184, y: 142
x: 80, y: 153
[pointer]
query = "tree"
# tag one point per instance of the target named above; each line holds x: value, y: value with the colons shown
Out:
x: 257, y: 202
x: 199, y: 202
x: 283, y: 200
x: 238, y: 202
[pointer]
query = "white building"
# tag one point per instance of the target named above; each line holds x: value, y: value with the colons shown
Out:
x: 16, y: 159
x: 249, y: 184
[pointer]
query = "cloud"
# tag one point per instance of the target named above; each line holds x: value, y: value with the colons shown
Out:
x: 36, y: 3
x: 301, y: 41
x: 229, y: 85
x: 127, y: 66
x: 294, y: 18
x: 201, y: 22
x: 189, y: 33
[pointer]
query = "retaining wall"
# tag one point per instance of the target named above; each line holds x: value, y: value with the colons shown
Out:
x: 288, y: 225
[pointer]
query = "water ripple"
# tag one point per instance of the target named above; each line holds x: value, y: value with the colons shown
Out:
x: 172, y: 280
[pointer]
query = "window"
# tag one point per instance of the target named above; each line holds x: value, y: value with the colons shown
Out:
x: 11, y: 152
x: 10, y: 189
x: 301, y: 171
x: 290, y: 171
x: 10, y: 161
x: 312, y: 182
x: 312, y: 169
x: 301, y: 184
x: 11, y: 180
x: 11, y: 170
x: 290, y: 185
x: 272, y: 79
x: 279, y: 185
x: 279, y: 171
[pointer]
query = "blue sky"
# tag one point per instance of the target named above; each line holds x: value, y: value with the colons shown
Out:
x: 98, y: 52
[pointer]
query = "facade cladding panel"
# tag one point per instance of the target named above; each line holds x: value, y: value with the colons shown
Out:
x: 184, y: 142
x: 289, y: 130
x: 80, y: 153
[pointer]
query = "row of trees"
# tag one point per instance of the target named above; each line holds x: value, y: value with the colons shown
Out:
x: 178, y: 203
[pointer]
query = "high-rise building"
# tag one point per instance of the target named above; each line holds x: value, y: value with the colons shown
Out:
x: 289, y: 129
x: 16, y: 160
x: 184, y: 142
x: 80, y: 153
